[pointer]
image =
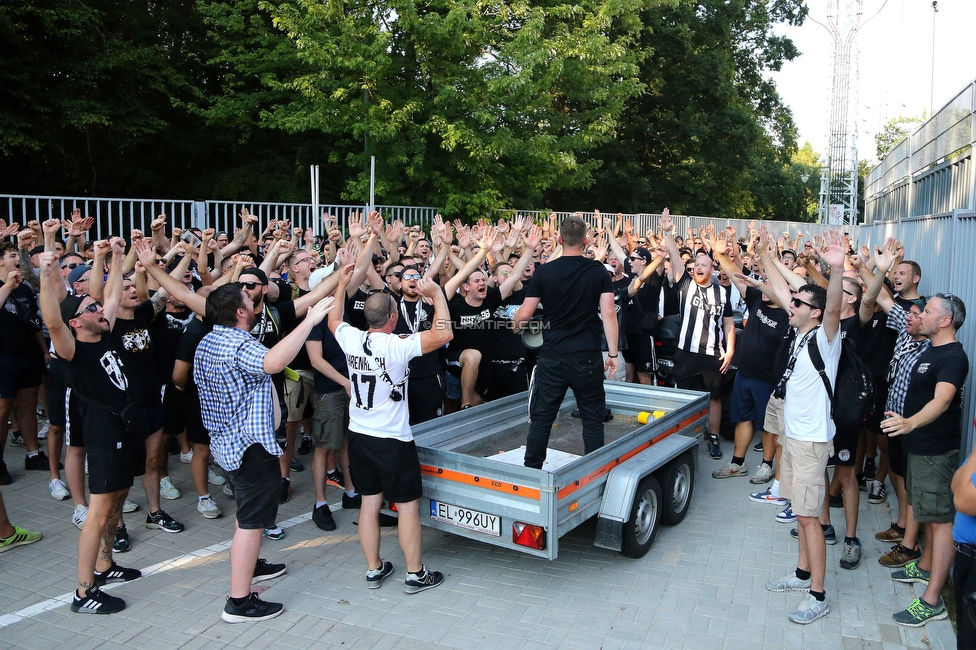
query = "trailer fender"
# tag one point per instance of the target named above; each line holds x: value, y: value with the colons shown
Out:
x: 622, y: 482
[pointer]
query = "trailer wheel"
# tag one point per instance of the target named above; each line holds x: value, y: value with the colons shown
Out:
x: 679, y: 484
x: 641, y: 529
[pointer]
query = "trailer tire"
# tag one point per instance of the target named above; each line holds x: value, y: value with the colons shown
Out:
x: 678, y: 486
x: 645, y: 516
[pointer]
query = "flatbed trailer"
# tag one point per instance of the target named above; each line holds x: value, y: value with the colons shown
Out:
x: 476, y: 486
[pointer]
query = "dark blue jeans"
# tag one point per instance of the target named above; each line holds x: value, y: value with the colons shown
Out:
x: 581, y: 371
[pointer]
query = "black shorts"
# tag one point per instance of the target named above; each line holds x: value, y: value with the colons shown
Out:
x: 385, y: 466
x: 699, y: 372
x: 880, y: 400
x: 257, y: 488
x: 153, y: 417
x: 19, y: 372
x: 507, y: 378
x: 74, y: 429
x: 897, y: 461
x: 845, y: 448
x: 638, y: 352
x: 425, y: 397
x: 115, y: 456
x: 196, y: 433
x: 484, y: 370
x: 56, y: 388
x: 174, y: 410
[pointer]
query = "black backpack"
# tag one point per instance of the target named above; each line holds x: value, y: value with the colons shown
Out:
x: 853, y: 401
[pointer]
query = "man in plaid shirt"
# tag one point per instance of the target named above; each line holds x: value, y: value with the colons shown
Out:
x: 240, y: 410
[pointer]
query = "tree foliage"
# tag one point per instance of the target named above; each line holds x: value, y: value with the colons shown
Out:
x: 466, y: 104
x: 894, y: 131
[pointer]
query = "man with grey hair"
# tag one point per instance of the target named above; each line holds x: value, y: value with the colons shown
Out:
x: 932, y: 429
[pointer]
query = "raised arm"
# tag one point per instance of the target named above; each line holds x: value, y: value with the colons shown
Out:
x: 113, y: 287
x: 440, y: 333
x: 531, y: 241
x: 667, y: 229
x: 484, y: 245
x: 61, y: 336
x: 834, y: 255
x: 281, y: 354
x: 242, y: 235
x: 173, y: 286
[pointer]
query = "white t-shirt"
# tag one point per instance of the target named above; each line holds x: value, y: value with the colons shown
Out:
x: 807, y: 407
x: 371, y: 410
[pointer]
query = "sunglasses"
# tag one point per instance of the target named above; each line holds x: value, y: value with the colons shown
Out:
x: 797, y: 302
x: 252, y: 285
x: 635, y: 258
x: 91, y: 307
x: 410, y: 276
x: 73, y: 265
x: 384, y: 290
x: 161, y: 261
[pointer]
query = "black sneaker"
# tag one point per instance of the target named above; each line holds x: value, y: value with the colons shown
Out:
x: 121, y: 544
x: 5, y: 477
x: 375, y: 578
x: 265, y: 570
x: 758, y: 447
x: 163, y: 522
x: 870, y: 469
x: 39, y: 462
x: 285, y: 490
x: 297, y: 465
x: 714, y: 449
x: 862, y: 483
x: 322, y: 517
x: 837, y: 501
x: 305, y: 446
x: 352, y: 503
x: 16, y: 440
x: 116, y: 574
x: 417, y: 582
x: 96, y: 602
x: 252, y: 609
x: 335, y: 478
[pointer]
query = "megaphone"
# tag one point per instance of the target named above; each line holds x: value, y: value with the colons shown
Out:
x: 532, y: 334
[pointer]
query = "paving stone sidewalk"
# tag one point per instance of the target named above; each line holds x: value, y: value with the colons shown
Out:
x: 701, y: 586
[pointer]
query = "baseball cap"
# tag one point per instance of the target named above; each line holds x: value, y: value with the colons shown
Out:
x: 643, y: 253
x: 258, y: 273
x: 70, y: 305
x: 77, y: 273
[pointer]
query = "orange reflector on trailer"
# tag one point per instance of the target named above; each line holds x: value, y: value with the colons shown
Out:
x: 529, y: 535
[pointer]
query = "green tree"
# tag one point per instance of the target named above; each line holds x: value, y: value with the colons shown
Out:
x: 709, y: 135
x: 894, y: 131
x: 466, y: 104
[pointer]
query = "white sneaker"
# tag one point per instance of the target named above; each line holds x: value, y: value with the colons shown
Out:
x: 167, y: 490
x: 42, y: 431
x: 187, y: 457
x: 129, y: 506
x: 764, y: 474
x: 208, y: 508
x: 79, y: 515
x: 58, y: 489
x: 227, y: 490
x: 214, y: 478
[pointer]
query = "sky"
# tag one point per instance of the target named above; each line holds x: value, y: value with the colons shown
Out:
x: 895, y: 65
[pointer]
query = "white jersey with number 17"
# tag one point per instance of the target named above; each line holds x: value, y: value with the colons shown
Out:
x: 372, y: 411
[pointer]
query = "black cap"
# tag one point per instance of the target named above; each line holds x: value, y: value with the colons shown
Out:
x: 34, y: 251
x: 643, y: 253
x: 258, y: 273
x: 69, y: 307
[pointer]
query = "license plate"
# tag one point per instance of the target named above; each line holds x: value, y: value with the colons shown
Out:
x: 481, y: 522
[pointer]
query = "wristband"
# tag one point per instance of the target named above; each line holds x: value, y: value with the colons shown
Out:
x: 613, y: 356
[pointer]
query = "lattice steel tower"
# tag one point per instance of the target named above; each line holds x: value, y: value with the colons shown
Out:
x: 838, y: 179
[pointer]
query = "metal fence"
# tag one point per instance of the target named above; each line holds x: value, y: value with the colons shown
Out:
x: 121, y: 216
x: 930, y: 171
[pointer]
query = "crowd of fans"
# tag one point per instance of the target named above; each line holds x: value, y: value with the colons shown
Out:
x: 103, y: 338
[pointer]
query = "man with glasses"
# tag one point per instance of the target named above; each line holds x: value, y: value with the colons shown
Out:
x: 807, y: 443
x: 80, y: 328
x: 930, y: 424
x: 909, y: 345
x: 425, y: 395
